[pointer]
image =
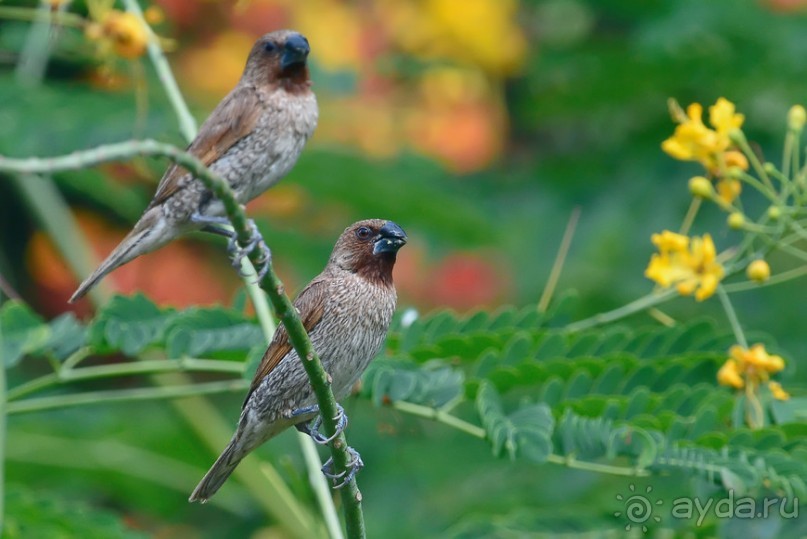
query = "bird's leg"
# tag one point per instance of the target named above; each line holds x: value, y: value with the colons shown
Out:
x: 312, y: 427
x: 237, y: 253
x: 353, y: 466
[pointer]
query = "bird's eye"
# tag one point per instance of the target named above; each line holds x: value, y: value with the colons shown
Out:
x: 269, y: 46
x: 363, y: 233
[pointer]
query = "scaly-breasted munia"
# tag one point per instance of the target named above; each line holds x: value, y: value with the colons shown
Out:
x: 252, y: 139
x: 346, y: 311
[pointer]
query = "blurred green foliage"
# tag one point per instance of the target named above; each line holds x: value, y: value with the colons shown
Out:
x: 586, y: 118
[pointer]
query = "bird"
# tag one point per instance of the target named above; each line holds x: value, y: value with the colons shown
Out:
x: 346, y: 311
x: 251, y: 139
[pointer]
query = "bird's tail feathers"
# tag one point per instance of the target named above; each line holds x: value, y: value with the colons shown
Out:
x: 218, y: 473
x: 129, y: 248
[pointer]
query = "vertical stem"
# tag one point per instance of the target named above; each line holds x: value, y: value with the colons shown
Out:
x: 320, y: 487
x: 187, y: 123
x: 732, y: 316
x: 36, y: 50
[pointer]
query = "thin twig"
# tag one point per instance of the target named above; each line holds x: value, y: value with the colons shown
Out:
x: 557, y: 266
x: 124, y: 395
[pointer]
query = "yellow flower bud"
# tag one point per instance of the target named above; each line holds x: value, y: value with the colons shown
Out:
x: 796, y: 117
x: 777, y: 391
x: 154, y: 15
x: 758, y: 271
x: 728, y: 375
x: 701, y: 187
x: 735, y: 159
x: 733, y: 173
x: 126, y: 32
x: 769, y: 168
x: 774, y: 213
x: 736, y: 220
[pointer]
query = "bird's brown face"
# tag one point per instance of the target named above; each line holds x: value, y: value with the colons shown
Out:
x: 369, y: 248
x: 279, y: 58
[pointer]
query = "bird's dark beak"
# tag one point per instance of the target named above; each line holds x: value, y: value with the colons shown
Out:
x: 295, y: 51
x: 391, y: 237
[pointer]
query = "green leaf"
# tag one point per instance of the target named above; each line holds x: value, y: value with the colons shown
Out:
x: 431, y: 384
x: 129, y: 324
x: 527, y: 432
x: 21, y: 332
x: 197, y: 332
x: 67, y: 335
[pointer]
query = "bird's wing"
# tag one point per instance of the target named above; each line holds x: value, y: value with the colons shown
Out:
x: 311, y: 305
x: 233, y: 119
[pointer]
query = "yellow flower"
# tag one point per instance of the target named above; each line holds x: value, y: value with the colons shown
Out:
x: 694, y: 141
x: 756, y: 362
x: 117, y: 31
x: 777, y: 391
x: 729, y: 375
x: 690, y: 264
x: 723, y: 118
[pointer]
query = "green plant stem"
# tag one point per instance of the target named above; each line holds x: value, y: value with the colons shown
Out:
x: 320, y: 487
x: 557, y: 266
x: 36, y: 50
x: 478, y: 432
x: 689, y: 218
x: 441, y: 417
x: 126, y: 369
x: 651, y: 300
x: 187, y: 123
x: 768, y: 189
x: 732, y: 316
x: 124, y: 395
x: 776, y: 279
x: 573, y: 463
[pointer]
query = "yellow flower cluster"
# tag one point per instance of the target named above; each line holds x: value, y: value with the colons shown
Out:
x: 689, y: 264
x: 120, y: 32
x: 751, y: 367
x: 694, y: 141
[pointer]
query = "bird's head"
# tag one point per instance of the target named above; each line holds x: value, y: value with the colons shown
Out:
x: 369, y: 248
x: 279, y: 59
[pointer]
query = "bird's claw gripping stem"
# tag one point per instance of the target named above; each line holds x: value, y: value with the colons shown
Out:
x: 237, y: 253
x: 312, y: 427
x: 352, y: 468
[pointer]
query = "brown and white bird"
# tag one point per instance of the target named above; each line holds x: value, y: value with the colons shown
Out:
x: 346, y: 311
x: 252, y: 139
